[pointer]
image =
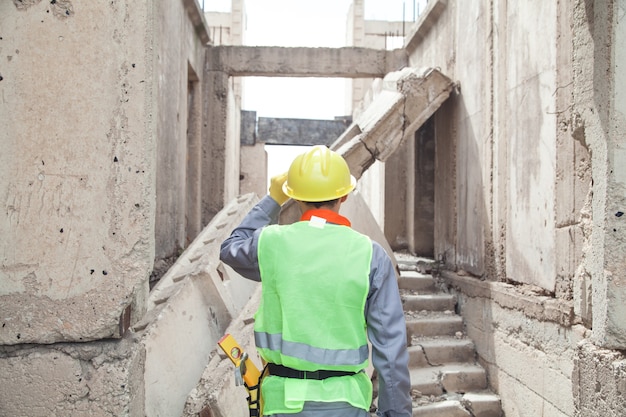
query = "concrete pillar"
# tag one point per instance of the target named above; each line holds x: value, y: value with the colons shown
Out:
x: 445, y: 227
x: 237, y: 29
x: 397, y: 177
x: 216, y: 155
x: 573, y: 179
x: 422, y: 243
x: 193, y: 215
x: 356, y: 37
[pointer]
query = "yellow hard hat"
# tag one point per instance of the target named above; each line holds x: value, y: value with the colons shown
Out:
x: 318, y: 175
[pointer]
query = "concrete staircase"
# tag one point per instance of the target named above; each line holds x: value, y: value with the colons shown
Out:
x: 446, y: 379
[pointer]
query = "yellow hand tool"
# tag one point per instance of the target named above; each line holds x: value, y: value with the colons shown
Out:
x: 246, y: 373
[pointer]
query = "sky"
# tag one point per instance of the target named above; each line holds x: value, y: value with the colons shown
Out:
x: 290, y: 23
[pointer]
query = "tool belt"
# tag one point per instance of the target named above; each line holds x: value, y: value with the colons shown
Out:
x: 280, y: 370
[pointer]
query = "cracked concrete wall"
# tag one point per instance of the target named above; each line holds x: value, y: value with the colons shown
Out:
x: 91, y: 94
x: 100, y: 379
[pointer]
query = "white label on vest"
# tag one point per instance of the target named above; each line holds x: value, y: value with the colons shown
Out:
x: 318, y: 222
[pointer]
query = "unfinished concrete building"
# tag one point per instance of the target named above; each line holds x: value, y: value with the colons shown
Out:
x: 490, y: 152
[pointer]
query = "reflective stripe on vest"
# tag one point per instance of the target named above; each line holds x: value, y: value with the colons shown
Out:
x: 333, y: 358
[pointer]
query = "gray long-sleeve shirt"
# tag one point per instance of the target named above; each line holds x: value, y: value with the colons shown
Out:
x: 383, y: 309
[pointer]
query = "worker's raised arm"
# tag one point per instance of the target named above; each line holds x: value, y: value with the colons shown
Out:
x: 239, y: 251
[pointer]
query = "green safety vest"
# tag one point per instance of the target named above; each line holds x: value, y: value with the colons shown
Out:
x: 315, y: 281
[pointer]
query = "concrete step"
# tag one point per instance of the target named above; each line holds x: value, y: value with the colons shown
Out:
x: 483, y: 404
x: 416, y: 282
x: 449, y: 378
x: 408, y: 262
x: 474, y: 404
x: 429, y: 302
x: 444, y: 408
x: 420, y: 324
x: 439, y: 351
x: 446, y: 380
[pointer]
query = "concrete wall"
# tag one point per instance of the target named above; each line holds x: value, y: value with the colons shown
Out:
x: 253, y: 178
x: 503, y: 192
x: 300, y: 132
x: 180, y: 90
x: 220, y: 142
x: 90, y: 98
x: 529, y: 190
x: 78, y: 174
x: 78, y: 168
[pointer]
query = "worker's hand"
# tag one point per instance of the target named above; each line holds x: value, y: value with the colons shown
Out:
x: 276, y: 188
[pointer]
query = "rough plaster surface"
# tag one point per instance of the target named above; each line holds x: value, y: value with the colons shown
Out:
x: 76, y: 179
x: 600, y: 377
x: 616, y: 192
x: 97, y: 379
x: 529, y: 357
x: 599, y: 33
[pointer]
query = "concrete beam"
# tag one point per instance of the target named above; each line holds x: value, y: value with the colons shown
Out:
x: 287, y: 131
x: 216, y: 393
x: 271, y: 61
x: 409, y: 97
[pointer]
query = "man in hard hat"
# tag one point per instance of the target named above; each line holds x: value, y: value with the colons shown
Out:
x: 326, y: 290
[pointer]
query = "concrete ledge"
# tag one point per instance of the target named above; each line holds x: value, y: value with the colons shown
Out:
x: 539, y: 307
